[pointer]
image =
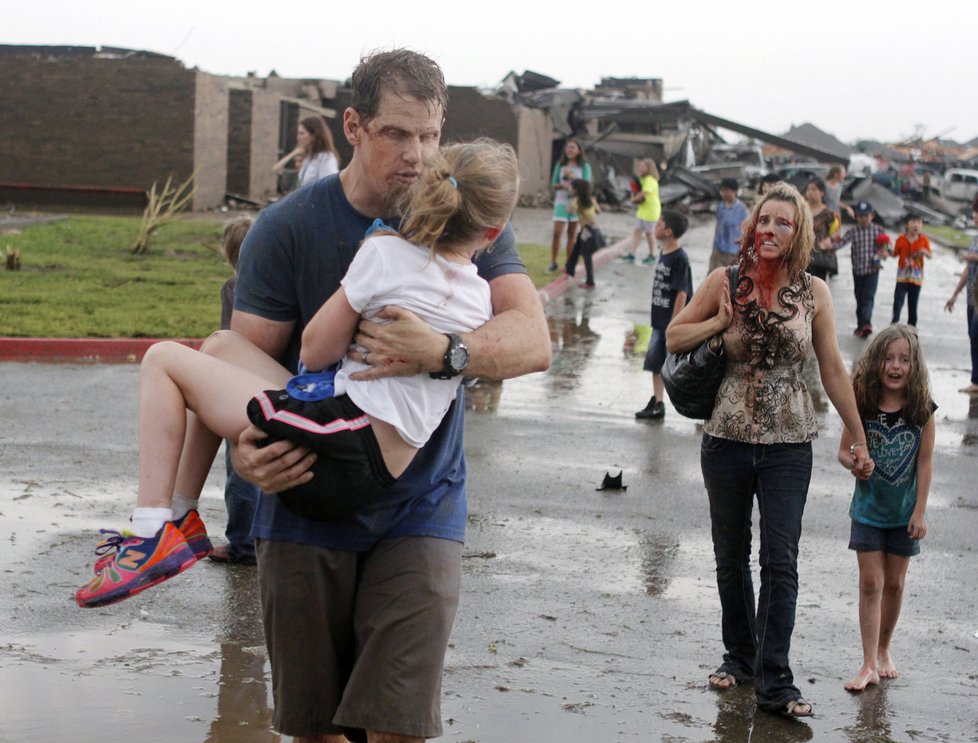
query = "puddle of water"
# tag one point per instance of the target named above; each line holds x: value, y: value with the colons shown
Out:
x: 109, y: 684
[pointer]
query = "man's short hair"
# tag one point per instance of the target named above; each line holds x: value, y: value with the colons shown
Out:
x: 676, y: 222
x: 400, y: 71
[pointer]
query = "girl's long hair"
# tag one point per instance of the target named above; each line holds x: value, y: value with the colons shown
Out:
x: 582, y: 190
x: 465, y: 190
x: 579, y: 160
x: 867, y: 378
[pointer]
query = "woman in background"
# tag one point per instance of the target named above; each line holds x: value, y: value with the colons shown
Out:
x: 314, y: 145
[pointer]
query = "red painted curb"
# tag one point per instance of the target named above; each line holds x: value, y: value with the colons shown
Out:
x: 82, y: 350
x: 564, y: 282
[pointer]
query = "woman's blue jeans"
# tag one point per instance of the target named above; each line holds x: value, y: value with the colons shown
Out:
x: 972, y: 316
x: 757, y: 639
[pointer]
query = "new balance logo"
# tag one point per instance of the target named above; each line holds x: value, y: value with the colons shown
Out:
x: 131, y: 560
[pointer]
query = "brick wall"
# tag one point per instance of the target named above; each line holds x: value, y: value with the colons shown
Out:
x: 87, y: 121
x: 239, y: 141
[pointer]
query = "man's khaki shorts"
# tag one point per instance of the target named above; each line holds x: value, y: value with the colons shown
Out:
x: 357, y: 640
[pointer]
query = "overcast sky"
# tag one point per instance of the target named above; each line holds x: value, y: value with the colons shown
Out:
x: 879, y: 69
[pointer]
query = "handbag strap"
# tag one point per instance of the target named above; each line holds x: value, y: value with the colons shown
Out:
x: 733, y: 274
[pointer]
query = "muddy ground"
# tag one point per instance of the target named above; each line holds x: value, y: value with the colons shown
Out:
x: 585, y: 615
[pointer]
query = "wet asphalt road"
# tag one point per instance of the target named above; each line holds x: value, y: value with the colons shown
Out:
x: 585, y: 615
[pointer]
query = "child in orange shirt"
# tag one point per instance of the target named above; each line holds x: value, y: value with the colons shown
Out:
x: 912, y: 247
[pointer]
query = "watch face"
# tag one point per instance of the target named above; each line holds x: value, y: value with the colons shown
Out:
x: 459, y: 358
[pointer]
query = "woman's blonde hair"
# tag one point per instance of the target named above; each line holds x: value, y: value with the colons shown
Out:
x: 465, y: 190
x: 652, y: 168
x: 802, y: 242
x: 868, y: 386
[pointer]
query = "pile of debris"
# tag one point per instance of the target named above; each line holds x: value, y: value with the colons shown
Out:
x: 624, y: 119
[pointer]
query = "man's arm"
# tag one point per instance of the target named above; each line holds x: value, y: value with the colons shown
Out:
x: 515, y: 341
x: 270, y: 336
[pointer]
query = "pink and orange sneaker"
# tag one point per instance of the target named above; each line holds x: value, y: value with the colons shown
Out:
x: 190, y: 525
x: 138, y: 564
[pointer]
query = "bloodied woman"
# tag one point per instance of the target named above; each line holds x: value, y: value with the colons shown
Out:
x: 757, y: 442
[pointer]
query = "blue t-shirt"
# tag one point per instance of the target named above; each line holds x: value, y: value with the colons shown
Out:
x: 729, y: 219
x: 887, y: 499
x: 672, y: 275
x: 292, y: 260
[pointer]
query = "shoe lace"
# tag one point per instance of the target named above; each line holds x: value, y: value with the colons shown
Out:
x: 111, y: 543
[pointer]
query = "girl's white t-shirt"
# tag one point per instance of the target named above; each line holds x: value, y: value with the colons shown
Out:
x: 449, y: 297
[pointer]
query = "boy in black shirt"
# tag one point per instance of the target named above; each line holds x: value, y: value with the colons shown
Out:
x: 671, y: 288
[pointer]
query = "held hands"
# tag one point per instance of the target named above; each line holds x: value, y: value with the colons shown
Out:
x: 401, y: 347
x: 273, y: 468
x: 862, y: 465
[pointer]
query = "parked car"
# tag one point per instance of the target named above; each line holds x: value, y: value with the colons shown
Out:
x: 959, y: 184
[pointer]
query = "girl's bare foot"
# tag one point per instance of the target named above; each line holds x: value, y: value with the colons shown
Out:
x: 971, y: 389
x: 887, y: 667
x: 864, y: 678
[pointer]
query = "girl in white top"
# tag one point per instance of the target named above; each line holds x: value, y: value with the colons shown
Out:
x: 314, y: 145
x: 462, y: 203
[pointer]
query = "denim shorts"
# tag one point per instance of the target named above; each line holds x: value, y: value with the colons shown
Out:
x: 655, y: 356
x: 895, y: 541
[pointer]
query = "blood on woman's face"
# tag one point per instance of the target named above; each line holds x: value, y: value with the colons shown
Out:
x: 775, y: 230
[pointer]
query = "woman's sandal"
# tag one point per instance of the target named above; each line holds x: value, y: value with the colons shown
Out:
x: 722, y: 681
x: 797, y: 708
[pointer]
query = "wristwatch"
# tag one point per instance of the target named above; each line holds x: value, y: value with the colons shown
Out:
x: 455, y: 360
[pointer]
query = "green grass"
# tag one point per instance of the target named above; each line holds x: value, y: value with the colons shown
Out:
x: 78, y: 280
x: 537, y: 258
x: 949, y: 236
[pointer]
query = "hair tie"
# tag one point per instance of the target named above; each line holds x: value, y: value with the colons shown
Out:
x: 378, y: 224
x: 451, y: 179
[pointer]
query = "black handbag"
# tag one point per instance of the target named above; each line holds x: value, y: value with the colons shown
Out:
x: 692, y: 378
x: 825, y: 259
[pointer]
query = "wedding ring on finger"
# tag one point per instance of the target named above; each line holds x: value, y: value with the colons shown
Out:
x: 365, y: 355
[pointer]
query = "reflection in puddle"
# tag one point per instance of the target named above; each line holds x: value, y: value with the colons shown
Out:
x: 970, y: 437
x: 572, y: 340
x: 872, y: 716
x: 658, y: 552
x: 738, y: 720
x: 244, y: 714
x: 244, y: 709
x: 124, y: 671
